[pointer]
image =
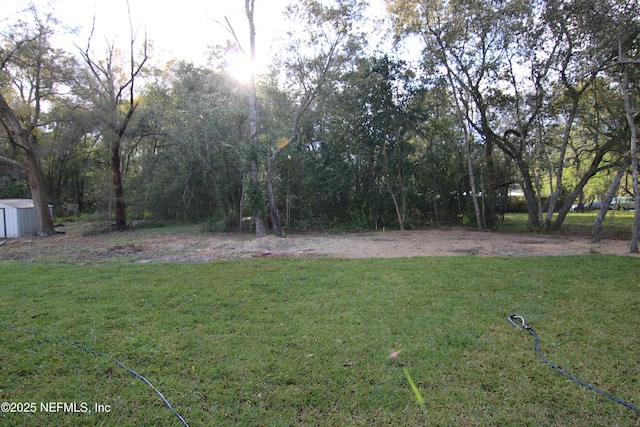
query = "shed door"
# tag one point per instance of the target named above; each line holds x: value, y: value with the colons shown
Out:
x: 3, y: 226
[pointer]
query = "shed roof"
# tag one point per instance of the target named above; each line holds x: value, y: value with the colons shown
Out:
x: 17, y: 203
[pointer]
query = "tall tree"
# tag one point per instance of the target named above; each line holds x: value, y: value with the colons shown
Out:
x: 315, y: 57
x: 32, y: 71
x: 469, y: 42
x: 261, y: 227
x: 255, y: 187
x: 526, y: 66
x: 311, y: 62
x: 111, y: 90
x: 623, y: 44
x: 255, y: 196
x: 462, y: 112
x: 600, y: 37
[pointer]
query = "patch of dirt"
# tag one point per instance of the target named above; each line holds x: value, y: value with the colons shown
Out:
x: 191, y: 244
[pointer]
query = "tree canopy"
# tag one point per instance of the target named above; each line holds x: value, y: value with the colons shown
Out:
x: 458, y: 105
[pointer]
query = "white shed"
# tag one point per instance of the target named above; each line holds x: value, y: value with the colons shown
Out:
x: 18, y: 218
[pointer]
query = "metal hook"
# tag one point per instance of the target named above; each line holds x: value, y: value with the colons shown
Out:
x: 524, y: 322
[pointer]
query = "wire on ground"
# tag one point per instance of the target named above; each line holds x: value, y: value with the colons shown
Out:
x: 89, y: 350
x: 524, y: 326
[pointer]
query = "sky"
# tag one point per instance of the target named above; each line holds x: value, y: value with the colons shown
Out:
x: 178, y: 29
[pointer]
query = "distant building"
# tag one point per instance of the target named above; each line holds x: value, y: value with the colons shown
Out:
x: 18, y: 218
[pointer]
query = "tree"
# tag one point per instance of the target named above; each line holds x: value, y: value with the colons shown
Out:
x: 261, y: 227
x: 631, y: 119
x: 462, y: 112
x: 596, y: 233
x: 379, y: 92
x: 598, y: 140
x: 332, y: 37
x: 329, y: 36
x: 111, y: 91
x: 35, y: 70
x: 629, y: 44
x: 598, y: 36
x: 469, y: 42
x: 192, y: 121
x: 254, y: 192
x: 64, y: 152
x: 525, y: 67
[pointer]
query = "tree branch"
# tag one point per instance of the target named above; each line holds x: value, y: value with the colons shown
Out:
x: 11, y: 162
x: 17, y: 134
x: 231, y: 31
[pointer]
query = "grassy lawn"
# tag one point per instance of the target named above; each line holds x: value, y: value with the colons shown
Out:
x: 617, y: 224
x: 293, y: 342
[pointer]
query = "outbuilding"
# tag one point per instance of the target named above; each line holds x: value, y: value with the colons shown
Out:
x: 18, y: 218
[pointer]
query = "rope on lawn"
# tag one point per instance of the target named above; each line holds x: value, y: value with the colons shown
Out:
x: 524, y: 326
x: 89, y: 350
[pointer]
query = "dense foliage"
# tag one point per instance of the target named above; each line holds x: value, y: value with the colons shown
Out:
x: 471, y: 101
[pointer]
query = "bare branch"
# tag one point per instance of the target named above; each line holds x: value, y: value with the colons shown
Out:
x: 135, y: 70
x: 231, y: 31
x: 11, y: 162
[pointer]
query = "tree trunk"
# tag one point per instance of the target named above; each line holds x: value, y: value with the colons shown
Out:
x: 597, y: 225
x: 472, y: 178
x: 394, y: 197
x: 118, y: 191
x: 38, y: 194
x: 467, y: 150
x: 261, y: 229
x: 530, y: 196
x: 257, y: 211
x: 274, y: 213
x: 492, y: 180
x: 633, y: 247
x: 528, y: 188
x: 553, y: 199
x: 590, y: 173
x: 531, y: 192
x: 21, y: 138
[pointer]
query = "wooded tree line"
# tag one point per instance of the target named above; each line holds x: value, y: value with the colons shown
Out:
x: 469, y: 100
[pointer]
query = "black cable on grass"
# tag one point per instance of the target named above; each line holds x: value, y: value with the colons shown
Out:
x: 89, y: 350
x: 524, y: 326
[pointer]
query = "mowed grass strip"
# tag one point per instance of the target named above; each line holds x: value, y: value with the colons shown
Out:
x: 307, y: 342
x: 617, y: 224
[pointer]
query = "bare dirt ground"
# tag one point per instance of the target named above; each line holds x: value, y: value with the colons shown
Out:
x: 191, y: 244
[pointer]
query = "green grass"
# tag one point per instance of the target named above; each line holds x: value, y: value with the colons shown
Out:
x: 307, y: 342
x: 617, y: 224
